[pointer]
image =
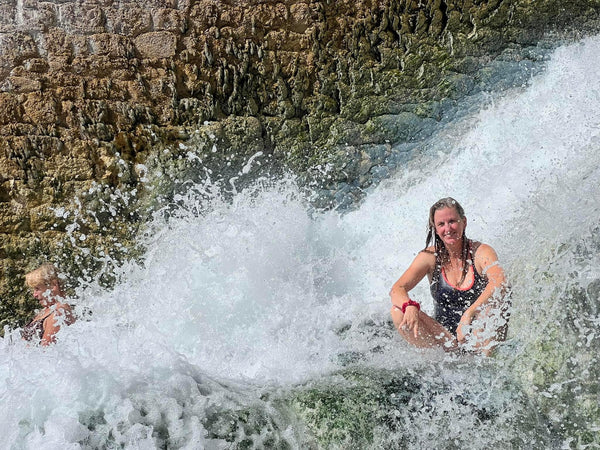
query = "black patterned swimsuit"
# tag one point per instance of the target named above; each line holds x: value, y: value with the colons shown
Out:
x: 451, y: 302
x: 34, y: 329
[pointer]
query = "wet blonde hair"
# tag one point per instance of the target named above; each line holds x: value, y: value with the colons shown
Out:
x: 441, y: 253
x: 45, y: 274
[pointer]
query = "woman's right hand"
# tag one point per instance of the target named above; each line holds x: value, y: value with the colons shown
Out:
x: 410, y: 322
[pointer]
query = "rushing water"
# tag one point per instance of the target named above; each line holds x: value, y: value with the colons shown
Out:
x: 255, y: 322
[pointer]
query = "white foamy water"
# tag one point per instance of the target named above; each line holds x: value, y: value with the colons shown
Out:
x: 257, y: 294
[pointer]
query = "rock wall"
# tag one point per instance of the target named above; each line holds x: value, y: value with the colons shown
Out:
x: 91, y: 92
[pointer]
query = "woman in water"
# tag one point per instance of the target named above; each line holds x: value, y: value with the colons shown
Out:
x: 467, y: 284
x: 46, y: 288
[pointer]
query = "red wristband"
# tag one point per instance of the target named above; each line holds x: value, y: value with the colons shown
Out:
x: 410, y: 303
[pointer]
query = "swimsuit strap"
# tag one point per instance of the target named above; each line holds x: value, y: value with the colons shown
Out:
x: 35, y: 328
x: 473, y: 247
x: 44, y: 317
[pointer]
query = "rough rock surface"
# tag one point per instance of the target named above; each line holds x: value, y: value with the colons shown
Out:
x: 91, y: 91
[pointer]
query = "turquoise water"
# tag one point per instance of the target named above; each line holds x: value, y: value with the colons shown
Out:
x: 257, y: 322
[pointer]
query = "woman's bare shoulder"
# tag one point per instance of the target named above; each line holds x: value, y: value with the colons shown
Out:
x: 427, y: 256
x: 485, y: 257
x: 61, y: 309
x: 484, y: 250
x: 428, y: 252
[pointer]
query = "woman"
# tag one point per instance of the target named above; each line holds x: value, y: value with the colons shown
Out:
x: 467, y: 284
x: 47, y: 290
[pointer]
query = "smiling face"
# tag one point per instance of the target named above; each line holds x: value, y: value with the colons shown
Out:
x: 449, y: 226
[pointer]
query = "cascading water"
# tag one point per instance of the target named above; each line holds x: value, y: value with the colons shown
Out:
x: 257, y: 323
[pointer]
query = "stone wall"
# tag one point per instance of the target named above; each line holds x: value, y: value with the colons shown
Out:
x: 90, y: 91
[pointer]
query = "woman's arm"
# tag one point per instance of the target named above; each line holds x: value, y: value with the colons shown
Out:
x: 423, y: 264
x: 486, y: 263
x: 52, y: 323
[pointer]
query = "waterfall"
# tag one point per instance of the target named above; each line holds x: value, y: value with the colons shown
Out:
x: 258, y: 321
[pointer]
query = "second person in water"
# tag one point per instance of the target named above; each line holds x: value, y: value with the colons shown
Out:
x: 55, y: 312
x: 468, y: 286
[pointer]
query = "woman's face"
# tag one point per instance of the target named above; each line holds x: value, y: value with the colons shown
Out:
x: 449, y: 226
x: 46, y: 293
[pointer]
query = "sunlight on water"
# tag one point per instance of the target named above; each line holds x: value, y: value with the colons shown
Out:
x: 257, y: 294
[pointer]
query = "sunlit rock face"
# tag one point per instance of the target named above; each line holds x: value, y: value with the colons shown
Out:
x: 98, y: 93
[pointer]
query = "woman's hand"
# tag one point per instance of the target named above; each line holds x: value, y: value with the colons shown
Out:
x: 464, y: 326
x: 411, y: 320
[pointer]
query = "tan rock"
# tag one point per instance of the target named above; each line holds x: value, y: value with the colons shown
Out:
x: 131, y: 21
x: 167, y: 19
x: 10, y: 108
x: 112, y: 45
x: 84, y: 18
x: 40, y: 108
x: 155, y: 45
x: 20, y: 85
